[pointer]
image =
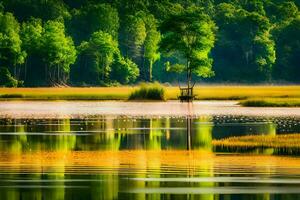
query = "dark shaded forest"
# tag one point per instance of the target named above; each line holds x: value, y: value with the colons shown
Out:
x: 113, y: 42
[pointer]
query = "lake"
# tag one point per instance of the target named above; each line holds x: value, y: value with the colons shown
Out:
x: 122, y: 150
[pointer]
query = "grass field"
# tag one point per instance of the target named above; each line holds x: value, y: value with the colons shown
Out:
x: 271, y: 102
x: 243, y: 93
x: 263, y: 141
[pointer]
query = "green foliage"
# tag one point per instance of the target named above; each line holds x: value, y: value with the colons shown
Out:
x: 101, y: 49
x: 46, y: 10
x: 92, y: 18
x: 151, y: 45
x: 250, y: 48
x: 58, y: 51
x: 192, y: 35
x: 288, y: 51
x: 6, y: 78
x: 134, y: 36
x: 124, y: 71
x: 11, y: 53
x: 150, y: 91
x: 31, y: 35
x: 235, y: 40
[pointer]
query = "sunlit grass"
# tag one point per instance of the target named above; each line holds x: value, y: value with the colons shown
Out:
x: 100, y: 93
x: 150, y: 91
x: 171, y: 93
x: 272, y: 102
x: 263, y: 141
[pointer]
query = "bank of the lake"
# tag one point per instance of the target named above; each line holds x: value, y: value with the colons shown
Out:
x: 83, y: 109
x: 271, y: 102
x: 287, y: 94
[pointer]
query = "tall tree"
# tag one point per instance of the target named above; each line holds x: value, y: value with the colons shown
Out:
x: 31, y: 36
x: 58, y: 52
x: 151, y: 44
x: 191, y: 34
x: 44, y: 9
x: 133, y: 37
x: 92, y: 18
x: 245, y: 49
x: 11, y: 54
x: 124, y: 70
x: 288, y: 51
x: 140, y: 41
x: 101, y: 49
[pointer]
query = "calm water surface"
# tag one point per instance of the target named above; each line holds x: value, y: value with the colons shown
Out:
x: 144, y: 157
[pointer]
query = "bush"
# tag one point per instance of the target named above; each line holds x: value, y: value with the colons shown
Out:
x: 124, y: 71
x: 148, y: 91
x: 6, y: 78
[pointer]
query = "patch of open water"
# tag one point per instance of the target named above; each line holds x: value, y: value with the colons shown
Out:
x: 114, y: 150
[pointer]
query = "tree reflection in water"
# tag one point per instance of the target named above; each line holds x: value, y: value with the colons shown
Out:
x: 136, y: 158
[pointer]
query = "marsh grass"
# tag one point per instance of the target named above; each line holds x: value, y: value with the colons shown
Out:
x: 148, y: 91
x: 287, y: 141
x: 272, y: 102
x: 171, y: 93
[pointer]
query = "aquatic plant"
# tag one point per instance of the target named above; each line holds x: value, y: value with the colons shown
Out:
x: 272, y: 102
x: 148, y: 91
x: 263, y: 141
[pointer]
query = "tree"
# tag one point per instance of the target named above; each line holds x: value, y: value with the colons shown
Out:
x: 31, y: 36
x: 151, y: 44
x: 140, y: 41
x: 134, y: 37
x: 191, y: 34
x: 11, y: 54
x: 245, y: 49
x: 288, y: 50
x: 44, y: 9
x: 92, y: 18
x: 100, y: 49
x: 6, y: 78
x: 58, y: 52
x: 124, y: 70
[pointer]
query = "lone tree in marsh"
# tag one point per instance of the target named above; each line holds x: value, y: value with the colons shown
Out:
x: 191, y: 35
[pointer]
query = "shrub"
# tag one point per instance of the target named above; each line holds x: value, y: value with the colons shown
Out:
x: 148, y: 91
x: 124, y: 70
x: 6, y: 78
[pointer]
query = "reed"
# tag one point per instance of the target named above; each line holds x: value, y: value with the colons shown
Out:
x: 148, y: 91
x: 272, y: 102
x: 262, y: 141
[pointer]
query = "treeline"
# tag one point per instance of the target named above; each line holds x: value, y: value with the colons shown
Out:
x: 108, y: 42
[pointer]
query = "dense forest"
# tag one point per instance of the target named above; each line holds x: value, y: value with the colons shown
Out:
x: 111, y: 42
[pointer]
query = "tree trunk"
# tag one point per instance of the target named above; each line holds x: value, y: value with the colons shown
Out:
x: 150, y: 70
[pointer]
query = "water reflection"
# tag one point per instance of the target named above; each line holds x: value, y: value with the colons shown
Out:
x: 120, y: 133
x: 143, y: 158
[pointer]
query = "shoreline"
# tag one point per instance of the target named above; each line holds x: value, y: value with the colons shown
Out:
x: 247, y: 95
x: 91, y: 109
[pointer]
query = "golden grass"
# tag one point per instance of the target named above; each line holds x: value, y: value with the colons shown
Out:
x: 122, y: 93
x: 264, y: 141
x: 272, y: 102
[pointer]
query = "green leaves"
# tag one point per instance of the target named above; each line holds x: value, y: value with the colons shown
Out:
x: 6, y: 78
x: 58, y: 49
x: 124, y: 71
x: 101, y: 48
x: 192, y: 35
x: 92, y: 18
x: 11, y: 53
x: 249, y: 46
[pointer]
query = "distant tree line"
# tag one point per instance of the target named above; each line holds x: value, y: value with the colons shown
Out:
x: 110, y: 42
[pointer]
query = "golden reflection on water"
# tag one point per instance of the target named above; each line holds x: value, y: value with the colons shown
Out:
x: 168, y: 161
x: 120, y: 158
